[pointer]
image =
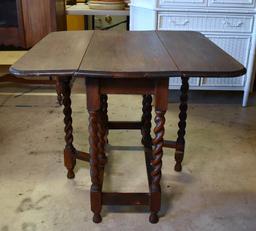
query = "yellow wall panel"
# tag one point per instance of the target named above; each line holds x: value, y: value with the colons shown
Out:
x: 75, y: 22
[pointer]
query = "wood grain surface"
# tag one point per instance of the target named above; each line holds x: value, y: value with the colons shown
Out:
x: 126, y: 54
x: 196, y: 55
x: 59, y: 53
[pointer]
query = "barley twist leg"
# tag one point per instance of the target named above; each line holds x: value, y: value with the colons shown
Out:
x: 179, y: 153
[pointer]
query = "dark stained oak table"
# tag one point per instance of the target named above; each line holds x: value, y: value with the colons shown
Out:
x: 126, y: 63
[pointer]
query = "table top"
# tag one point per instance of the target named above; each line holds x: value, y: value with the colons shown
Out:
x: 127, y: 55
x: 83, y: 9
x: 59, y: 53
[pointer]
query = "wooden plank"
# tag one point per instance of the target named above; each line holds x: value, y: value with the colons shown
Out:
x: 125, y: 198
x: 138, y: 86
x: 83, y: 9
x: 195, y: 55
x: 170, y: 144
x: 120, y: 125
x: 59, y: 53
x: 83, y: 156
x: 127, y: 54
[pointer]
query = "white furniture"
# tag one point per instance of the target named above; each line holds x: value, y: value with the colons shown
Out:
x: 228, y: 23
x: 83, y: 9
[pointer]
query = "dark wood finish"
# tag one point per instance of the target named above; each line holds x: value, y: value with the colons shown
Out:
x: 93, y: 107
x: 102, y: 130
x: 148, y: 160
x: 125, y: 198
x: 136, y: 85
x: 10, y: 36
x: 62, y: 59
x: 161, y: 106
x: 126, y: 54
x: 113, y: 54
x: 146, y: 120
x: 35, y: 20
x: 179, y: 153
x: 69, y: 151
x: 196, y: 55
x: 83, y: 156
x: 169, y: 144
x: 104, y: 109
x: 153, y: 158
x: 59, y: 90
x: 127, y: 63
x: 114, y: 125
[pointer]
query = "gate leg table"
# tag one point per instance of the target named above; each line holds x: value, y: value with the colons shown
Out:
x: 138, y: 63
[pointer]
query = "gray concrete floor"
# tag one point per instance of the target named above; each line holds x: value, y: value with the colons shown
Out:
x: 215, y: 192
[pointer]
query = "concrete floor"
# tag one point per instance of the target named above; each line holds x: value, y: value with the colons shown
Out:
x: 215, y: 192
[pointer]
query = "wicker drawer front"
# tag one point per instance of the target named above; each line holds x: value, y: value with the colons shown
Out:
x: 205, y: 23
x: 167, y: 3
x: 231, y: 3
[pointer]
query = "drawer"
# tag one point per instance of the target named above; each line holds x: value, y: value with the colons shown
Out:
x: 205, y: 22
x: 232, y: 3
x: 167, y: 3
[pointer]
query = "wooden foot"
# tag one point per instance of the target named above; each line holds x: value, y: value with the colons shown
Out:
x: 97, y: 218
x: 70, y: 161
x: 146, y: 121
x: 153, y: 218
x: 179, y: 153
x: 69, y: 151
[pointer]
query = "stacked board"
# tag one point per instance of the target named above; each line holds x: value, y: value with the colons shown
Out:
x: 106, y: 4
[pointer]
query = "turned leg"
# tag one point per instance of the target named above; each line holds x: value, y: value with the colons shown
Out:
x: 104, y: 109
x: 96, y: 144
x: 69, y: 151
x: 156, y: 174
x: 180, y: 144
x: 59, y: 90
x: 146, y: 121
x: 102, y: 135
x: 161, y: 105
x: 95, y: 166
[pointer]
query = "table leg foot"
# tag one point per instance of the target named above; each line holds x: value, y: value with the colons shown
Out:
x: 153, y: 218
x: 97, y: 218
x: 70, y: 174
x: 178, y: 157
x: 70, y: 161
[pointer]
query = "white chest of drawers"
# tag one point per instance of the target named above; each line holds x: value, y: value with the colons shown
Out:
x: 229, y: 23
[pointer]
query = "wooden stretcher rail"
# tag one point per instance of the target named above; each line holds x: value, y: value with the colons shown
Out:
x: 125, y: 198
x: 170, y: 144
x: 124, y: 125
x: 83, y: 156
